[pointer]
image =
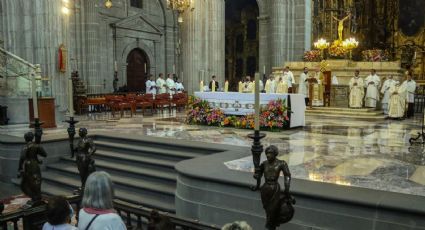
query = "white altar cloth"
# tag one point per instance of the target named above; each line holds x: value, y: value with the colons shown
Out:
x: 235, y: 103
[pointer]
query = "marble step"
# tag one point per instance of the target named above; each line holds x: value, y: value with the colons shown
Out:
x: 67, y: 185
x: 328, y: 115
x: 167, y: 154
x: 343, y: 109
x: 357, y: 113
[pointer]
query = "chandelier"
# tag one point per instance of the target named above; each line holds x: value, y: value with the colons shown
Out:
x: 180, y: 6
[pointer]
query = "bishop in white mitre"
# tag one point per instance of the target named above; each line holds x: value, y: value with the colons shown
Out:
x: 397, y: 102
x: 410, y: 86
x: 372, y: 83
x: 151, y: 85
x: 385, y: 90
x: 270, y: 86
x: 356, y: 91
x: 171, y: 85
x: 303, y: 84
x: 160, y: 83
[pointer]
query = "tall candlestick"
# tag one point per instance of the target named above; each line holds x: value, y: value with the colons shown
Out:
x: 70, y: 98
x: 213, y: 86
x: 257, y: 102
x: 264, y: 69
x: 115, y: 66
x: 146, y: 69
x: 34, y: 97
x: 240, y: 86
x: 174, y: 68
x: 201, y: 86
x: 226, y: 86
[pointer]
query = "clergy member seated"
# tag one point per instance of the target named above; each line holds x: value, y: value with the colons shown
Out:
x: 270, y: 85
x: 213, y: 85
x: 410, y: 87
x: 282, y: 86
x: 171, y: 85
x: 160, y: 84
x: 372, y: 83
x: 151, y: 85
x: 356, y: 91
x: 397, y: 101
x: 179, y: 85
x: 247, y: 85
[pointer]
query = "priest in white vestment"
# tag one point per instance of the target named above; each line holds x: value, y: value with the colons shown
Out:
x: 410, y: 87
x: 282, y: 86
x: 397, y: 102
x: 288, y: 76
x: 270, y: 85
x: 303, y: 84
x: 171, y: 85
x: 356, y: 91
x: 247, y: 86
x: 179, y: 86
x: 151, y: 85
x: 372, y: 83
x: 160, y: 84
x: 385, y: 90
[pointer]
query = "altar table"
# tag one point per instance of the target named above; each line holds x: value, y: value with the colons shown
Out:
x: 235, y: 103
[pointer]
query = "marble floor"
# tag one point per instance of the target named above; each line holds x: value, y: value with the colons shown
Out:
x: 349, y: 152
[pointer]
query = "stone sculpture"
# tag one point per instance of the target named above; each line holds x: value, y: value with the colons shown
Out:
x: 277, y: 204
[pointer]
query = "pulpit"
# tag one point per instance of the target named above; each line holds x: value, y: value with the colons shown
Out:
x: 46, y: 111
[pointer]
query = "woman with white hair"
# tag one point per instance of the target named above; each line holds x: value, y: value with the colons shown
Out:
x: 237, y: 225
x: 98, y: 212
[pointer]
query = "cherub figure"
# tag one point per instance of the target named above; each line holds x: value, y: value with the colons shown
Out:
x: 85, y: 150
x: 277, y: 204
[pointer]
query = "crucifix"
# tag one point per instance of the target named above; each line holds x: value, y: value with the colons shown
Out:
x: 341, y: 25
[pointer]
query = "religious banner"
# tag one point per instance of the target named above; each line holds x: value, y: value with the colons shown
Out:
x: 62, y: 58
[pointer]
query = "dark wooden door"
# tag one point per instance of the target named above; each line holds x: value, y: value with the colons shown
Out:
x: 137, y: 70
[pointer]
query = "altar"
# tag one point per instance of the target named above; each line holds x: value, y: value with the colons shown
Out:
x: 235, y: 103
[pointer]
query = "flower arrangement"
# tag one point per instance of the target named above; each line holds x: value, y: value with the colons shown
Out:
x: 375, y: 55
x: 337, y: 50
x: 312, y: 56
x: 273, y: 116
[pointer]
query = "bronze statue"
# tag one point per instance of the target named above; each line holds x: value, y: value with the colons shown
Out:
x: 85, y: 150
x: 29, y: 169
x: 277, y: 204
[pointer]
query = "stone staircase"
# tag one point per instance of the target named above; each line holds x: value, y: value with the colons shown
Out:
x: 362, y: 113
x: 143, y: 172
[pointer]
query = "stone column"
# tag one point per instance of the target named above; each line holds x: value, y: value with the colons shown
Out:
x: 278, y: 44
x: 216, y: 56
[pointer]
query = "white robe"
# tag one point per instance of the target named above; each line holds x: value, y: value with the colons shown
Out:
x: 179, y: 86
x: 356, y: 92
x: 150, y: 87
x: 171, y: 86
x: 270, y: 86
x: 334, y: 80
x: 385, y: 90
x: 282, y: 87
x: 160, y: 83
x: 410, y: 88
x: 302, y: 85
x: 397, y: 104
x: 247, y: 87
x: 288, y: 77
x: 372, y: 92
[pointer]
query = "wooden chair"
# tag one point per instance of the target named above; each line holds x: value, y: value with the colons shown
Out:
x: 180, y: 100
x: 120, y: 103
x: 144, y: 101
x: 162, y: 101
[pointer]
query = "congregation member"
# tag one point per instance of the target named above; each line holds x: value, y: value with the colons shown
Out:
x: 160, y: 84
x: 213, y: 85
x: 385, y: 90
x: 237, y: 225
x: 59, y: 214
x: 98, y: 212
x: 247, y: 85
x: 288, y: 76
x: 171, y: 85
x: 282, y: 86
x: 270, y: 85
x: 303, y: 84
x: 356, y: 91
x: 151, y: 85
x: 397, y: 102
x: 372, y: 83
x: 179, y: 85
x: 409, y: 86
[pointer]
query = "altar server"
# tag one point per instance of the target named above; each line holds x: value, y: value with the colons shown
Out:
x: 288, y: 76
x: 270, y: 85
x: 179, y: 86
x: 213, y: 84
x: 410, y: 87
x: 171, y: 85
x: 303, y: 85
x: 247, y: 85
x: 151, y: 85
x: 397, y: 102
x: 282, y: 86
x: 356, y: 91
x: 385, y: 90
x: 372, y: 83
x: 160, y: 84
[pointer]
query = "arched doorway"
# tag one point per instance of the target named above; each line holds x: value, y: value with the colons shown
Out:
x: 137, y: 70
x: 242, y: 40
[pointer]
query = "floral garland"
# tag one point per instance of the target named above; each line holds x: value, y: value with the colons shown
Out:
x: 273, y: 116
x: 375, y: 55
x: 337, y: 50
x: 312, y: 56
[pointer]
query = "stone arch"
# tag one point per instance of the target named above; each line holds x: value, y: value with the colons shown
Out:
x: 136, y: 45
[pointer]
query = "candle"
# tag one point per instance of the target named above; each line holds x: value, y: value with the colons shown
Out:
x: 213, y: 86
x: 264, y: 69
x: 201, y: 86
x: 115, y: 66
x: 146, y: 69
x: 70, y: 98
x: 34, y: 97
x: 226, y: 86
x: 240, y: 87
x: 174, y: 68
x: 257, y: 102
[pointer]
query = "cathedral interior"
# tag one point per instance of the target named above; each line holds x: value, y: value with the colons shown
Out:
x: 153, y: 95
